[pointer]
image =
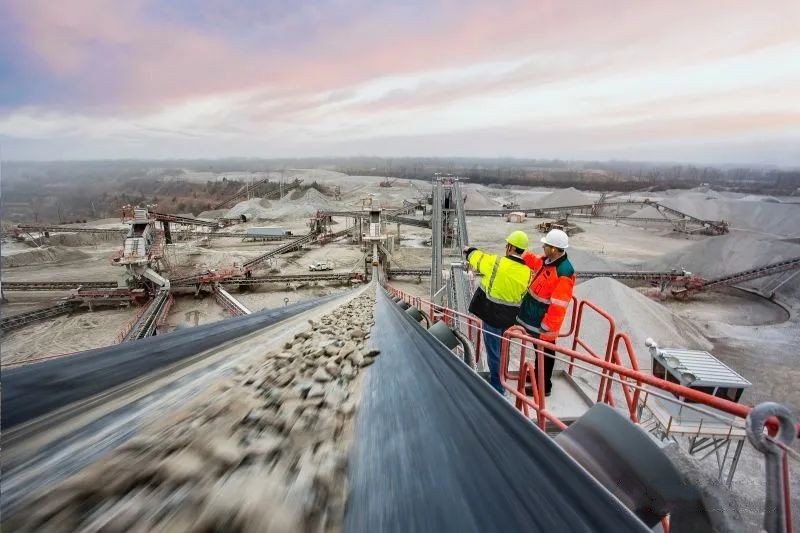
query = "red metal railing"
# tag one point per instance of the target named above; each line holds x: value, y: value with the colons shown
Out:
x: 611, y: 370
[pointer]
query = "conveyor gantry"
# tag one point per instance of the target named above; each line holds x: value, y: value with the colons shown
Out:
x: 68, y: 229
x: 698, y: 284
x: 276, y: 188
x: 284, y: 248
x: 461, y: 219
x: 712, y: 227
x: 226, y: 300
x: 437, y: 241
x: 156, y: 311
x: 389, y: 216
x: 186, y: 221
x: 56, y: 285
x: 10, y: 323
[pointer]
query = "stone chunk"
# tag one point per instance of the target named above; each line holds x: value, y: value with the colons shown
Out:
x: 321, y: 375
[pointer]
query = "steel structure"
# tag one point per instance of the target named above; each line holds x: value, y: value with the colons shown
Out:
x: 437, y: 241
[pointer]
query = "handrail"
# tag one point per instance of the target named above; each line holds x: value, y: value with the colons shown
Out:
x: 577, y: 341
x: 736, y: 409
x: 612, y: 370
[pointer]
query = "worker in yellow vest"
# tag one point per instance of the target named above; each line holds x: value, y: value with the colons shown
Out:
x: 496, y: 302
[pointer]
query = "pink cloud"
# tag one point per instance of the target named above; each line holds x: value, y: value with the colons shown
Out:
x: 123, y: 57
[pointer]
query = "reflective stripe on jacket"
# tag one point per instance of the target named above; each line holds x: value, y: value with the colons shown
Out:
x: 545, y: 303
x: 505, y: 280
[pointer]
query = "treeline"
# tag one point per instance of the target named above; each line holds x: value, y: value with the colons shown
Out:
x: 600, y: 176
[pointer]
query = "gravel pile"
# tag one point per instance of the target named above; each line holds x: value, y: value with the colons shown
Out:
x: 564, y: 197
x: 638, y: 316
x: 265, y: 451
x: 256, y: 207
x: 38, y: 256
x: 767, y: 217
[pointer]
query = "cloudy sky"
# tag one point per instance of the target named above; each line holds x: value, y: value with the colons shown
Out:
x: 702, y: 81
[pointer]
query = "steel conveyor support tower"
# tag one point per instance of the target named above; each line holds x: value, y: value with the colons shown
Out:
x: 437, y: 241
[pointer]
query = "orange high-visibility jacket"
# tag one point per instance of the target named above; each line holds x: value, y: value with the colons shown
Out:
x: 545, y: 304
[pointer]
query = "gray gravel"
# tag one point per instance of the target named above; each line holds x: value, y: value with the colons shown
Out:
x: 264, y: 451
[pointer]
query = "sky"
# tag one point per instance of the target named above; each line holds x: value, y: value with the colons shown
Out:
x: 701, y: 81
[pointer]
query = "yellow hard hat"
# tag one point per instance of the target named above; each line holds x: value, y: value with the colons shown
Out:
x: 518, y: 239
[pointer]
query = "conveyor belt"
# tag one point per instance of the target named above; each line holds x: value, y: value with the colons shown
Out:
x: 37, y: 389
x: 9, y: 323
x: 56, y: 285
x: 146, y: 325
x: 76, y: 229
x: 284, y: 248
x: 438, y: 450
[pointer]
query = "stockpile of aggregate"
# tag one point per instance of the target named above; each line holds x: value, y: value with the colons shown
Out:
x: 764, y: 216
x: 564, y: 197
x: 727, y: 254
x: 258, y: 208
x: 638, y: 316
x: 265, y: 451
x: 39, y: 256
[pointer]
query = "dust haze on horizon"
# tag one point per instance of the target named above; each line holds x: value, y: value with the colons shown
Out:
x: 704, y: 83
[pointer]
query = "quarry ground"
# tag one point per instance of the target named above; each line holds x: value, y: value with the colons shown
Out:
x: 757, y: 337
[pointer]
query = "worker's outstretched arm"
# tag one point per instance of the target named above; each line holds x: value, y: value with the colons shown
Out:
x: 557, y: 310
x: 481, y: 261
x: 533, y: 261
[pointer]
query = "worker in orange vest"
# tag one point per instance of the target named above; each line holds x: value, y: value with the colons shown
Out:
x: 545, y: 304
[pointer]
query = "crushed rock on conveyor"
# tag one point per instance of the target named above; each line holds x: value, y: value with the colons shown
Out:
x: 265, y: 451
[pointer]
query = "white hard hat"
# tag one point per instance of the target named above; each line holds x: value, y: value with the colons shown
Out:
x: 556, y: 238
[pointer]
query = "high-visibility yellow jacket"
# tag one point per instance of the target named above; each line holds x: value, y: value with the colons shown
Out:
x: 505, y: 281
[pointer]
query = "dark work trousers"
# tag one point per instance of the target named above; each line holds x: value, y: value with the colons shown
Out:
x: 549, y: 363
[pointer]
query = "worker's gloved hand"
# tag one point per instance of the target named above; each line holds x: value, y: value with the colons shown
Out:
x: 468, y: 250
